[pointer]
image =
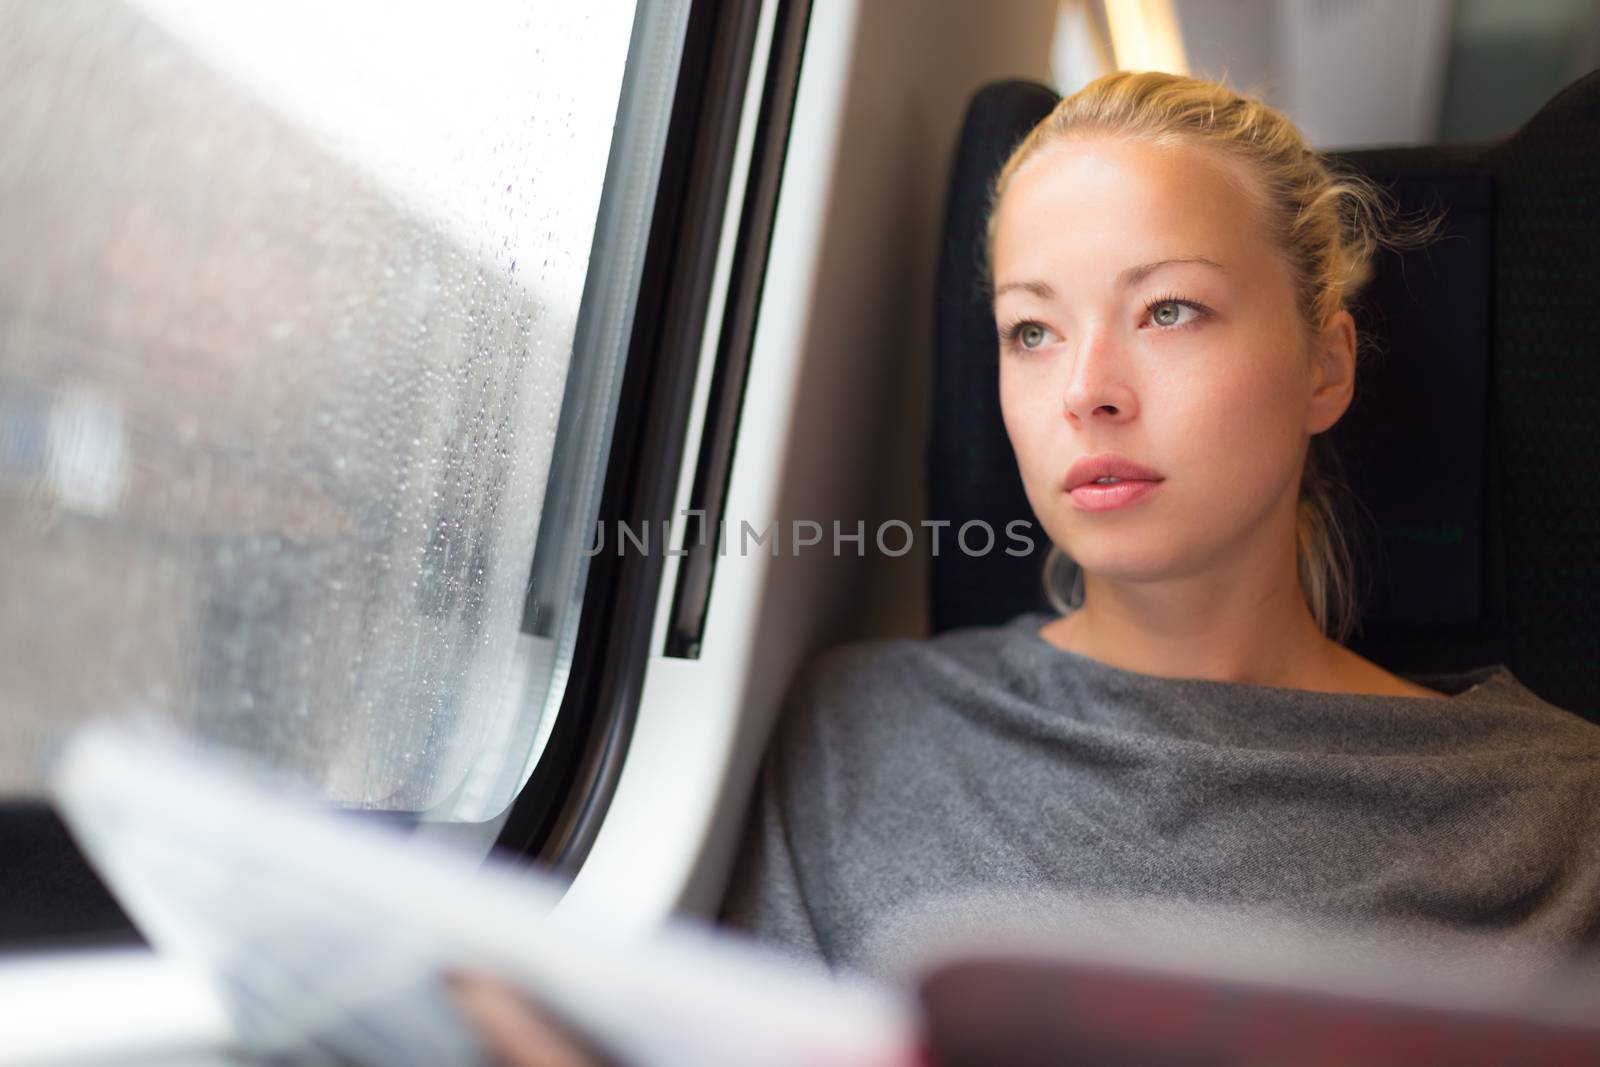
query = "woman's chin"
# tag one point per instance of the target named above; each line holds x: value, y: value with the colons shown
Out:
x: 1124, y: 569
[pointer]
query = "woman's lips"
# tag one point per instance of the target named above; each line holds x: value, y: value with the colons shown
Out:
x: 1093, y: 497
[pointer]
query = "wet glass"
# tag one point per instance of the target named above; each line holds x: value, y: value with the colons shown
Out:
x: 287, y: 302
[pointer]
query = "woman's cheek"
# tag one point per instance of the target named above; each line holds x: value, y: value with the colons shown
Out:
x: 1029, y: 433
x: 1014, y: 412
x: 1025, y: 441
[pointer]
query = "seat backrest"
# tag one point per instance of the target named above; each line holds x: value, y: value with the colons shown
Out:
x: 1470, y: 445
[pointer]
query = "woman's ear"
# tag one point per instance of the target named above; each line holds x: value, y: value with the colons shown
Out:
x: 1333, y: 381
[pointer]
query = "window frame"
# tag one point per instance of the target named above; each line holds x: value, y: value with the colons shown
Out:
x: 555, y: 819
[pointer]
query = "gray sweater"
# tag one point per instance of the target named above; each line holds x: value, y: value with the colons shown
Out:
x: 916, y: 787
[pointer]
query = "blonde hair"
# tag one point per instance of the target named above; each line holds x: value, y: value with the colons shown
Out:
x: 1328, y: 221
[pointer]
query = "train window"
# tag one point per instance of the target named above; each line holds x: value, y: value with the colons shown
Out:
x: 1359, y: 73
x: 1506, y: 60
x: 288, y: 383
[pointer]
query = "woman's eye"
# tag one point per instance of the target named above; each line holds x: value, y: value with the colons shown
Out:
x: 1031, y: 335
x: 1168, y: 313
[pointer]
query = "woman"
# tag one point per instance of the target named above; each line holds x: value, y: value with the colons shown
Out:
x: 1172, y: 271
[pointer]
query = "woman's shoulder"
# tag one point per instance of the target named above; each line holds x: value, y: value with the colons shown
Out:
x: 853, y: 694
x: 889, y: 668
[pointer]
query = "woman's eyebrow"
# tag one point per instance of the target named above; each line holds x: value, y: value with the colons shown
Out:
x: 1131, y: 276
x: 1038, y: 289
x: 1134, y: 275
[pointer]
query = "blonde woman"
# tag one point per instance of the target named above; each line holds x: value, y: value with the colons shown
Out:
x: 1172, y: 271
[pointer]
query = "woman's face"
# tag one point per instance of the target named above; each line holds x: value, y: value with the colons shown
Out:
x: 1143, y: 312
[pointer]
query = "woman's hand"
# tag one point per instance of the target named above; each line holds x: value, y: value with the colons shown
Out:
x: 513, y: 1029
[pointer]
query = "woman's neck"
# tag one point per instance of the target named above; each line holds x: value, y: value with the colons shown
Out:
x: 1259, y: 633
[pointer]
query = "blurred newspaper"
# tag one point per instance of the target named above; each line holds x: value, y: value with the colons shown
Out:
x: 329, y: 936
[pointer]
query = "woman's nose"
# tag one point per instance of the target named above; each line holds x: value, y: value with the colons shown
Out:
x: 1096, y: 386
